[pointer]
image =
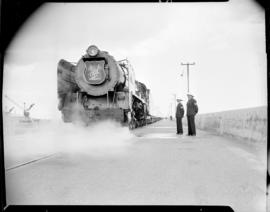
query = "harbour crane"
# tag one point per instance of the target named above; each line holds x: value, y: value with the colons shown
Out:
x: 25, y: 110
x: 8, y: 111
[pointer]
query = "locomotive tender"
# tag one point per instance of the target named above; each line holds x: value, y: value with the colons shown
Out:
x: 98, y: 87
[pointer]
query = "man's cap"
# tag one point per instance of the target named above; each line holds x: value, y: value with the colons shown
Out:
x: 190, y: 95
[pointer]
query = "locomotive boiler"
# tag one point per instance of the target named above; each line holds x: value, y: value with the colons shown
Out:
x: 98, y: 87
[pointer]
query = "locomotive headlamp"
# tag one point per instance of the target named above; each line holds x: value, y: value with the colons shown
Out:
x: 92, y: 50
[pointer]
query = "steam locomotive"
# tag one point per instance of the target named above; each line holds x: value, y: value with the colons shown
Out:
x: 98, y: 87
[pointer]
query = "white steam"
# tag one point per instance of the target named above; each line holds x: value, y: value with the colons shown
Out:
x: 32, y: 142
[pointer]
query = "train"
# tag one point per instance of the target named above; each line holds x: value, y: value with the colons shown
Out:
x: 98, y: 87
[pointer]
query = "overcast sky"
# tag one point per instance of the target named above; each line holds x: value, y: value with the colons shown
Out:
x: 225, y: 40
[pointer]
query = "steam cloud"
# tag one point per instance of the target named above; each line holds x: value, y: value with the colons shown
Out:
x: 98, y: 140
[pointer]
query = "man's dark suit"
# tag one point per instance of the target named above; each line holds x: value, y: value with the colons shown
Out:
x: 192, y: 110
x: 179, y: 115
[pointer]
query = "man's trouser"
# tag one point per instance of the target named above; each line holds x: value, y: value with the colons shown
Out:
x: 191, y: 125
x: 179, y: 125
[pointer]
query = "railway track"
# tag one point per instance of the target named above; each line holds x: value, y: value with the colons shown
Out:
x: 30, y: 161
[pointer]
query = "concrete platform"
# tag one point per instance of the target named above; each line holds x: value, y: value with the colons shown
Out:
x: 151, y: 165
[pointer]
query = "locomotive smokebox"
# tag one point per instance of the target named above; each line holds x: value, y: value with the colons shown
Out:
x: 97, y: 72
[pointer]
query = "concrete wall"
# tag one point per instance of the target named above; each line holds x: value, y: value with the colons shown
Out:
x: 248, y: 124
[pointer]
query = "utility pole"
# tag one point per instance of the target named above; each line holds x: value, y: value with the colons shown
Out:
x: 187, y: 64
x: 174, y: 101
x: 171, y: 110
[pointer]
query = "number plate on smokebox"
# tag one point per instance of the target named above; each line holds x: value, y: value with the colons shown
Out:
x: 94, y: 72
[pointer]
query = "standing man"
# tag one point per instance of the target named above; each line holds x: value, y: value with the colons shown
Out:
x: 192, y: 110
x: 179, y: 115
